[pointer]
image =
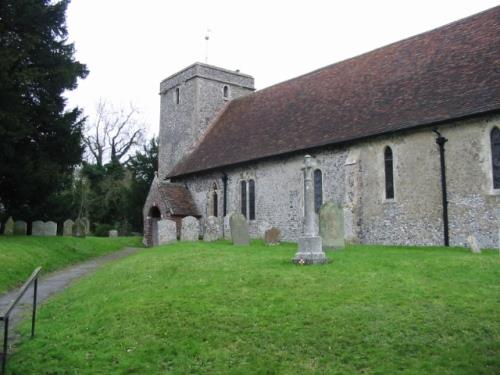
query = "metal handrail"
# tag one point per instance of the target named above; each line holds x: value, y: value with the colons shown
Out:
x: 33, y: 279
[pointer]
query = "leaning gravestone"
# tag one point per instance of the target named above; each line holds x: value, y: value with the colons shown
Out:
x: 190, y: 229
x: 474, y: 247
x: 113, y: 233
x: 9, y: 227
x: 272, y: 236
x: 239, y: 229
x: 50, y: 229
x: 331, y: 226
x: 227, y: 228
x: 167, y: 231
x: 20, y: 228
x: 79, y: 228
x: 212, y: 229
x: 38, y: 228
x: 68, y: 227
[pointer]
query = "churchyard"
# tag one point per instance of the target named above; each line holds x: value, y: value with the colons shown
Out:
x: 213, y: 307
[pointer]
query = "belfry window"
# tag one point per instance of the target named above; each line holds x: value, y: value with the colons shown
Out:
x: 244, y: 198
x: 318, y: 190
x: 389, y: 173
x: 495, y: 156
x: 251, y: 199
x: 177, y: 96
x: 225, y: 92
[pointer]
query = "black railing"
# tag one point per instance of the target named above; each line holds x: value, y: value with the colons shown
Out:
x: 6, y: 315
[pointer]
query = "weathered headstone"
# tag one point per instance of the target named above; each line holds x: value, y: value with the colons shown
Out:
x: 68, y: 227
x: 190, y: 229
x: 167, y: 231
x: 86, y: 223
x: 331, y: 226
x: 20, y: 228
x: 262, y: 227
x: 79, y: 228
x: 38, y: 228
x: 113, y: 233
x: 272, y: 236
x: 227, y: 228
x: 310, y: 245
x: 474, y: 247
x: 239, y: 229
x: 212, y: 229
x: 9, y: 227
x: 50, y: 228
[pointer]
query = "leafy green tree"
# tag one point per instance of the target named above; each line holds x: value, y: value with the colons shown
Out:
x: 40, y: 142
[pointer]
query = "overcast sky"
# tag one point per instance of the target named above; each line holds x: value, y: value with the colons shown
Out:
x: 129, y: 46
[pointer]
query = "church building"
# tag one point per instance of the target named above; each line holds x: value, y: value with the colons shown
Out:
x: 406, y: 140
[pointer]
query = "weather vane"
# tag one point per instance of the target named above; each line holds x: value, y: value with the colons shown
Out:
x: 207, y: 38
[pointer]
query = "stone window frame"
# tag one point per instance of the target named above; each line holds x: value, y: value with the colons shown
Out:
x: 248, y: 211
x: 226, y: 92
x: 491, y: 190
x: 381, y: 157
x: 213, y: 189
x: 322, y: 189
x: 177, y: 95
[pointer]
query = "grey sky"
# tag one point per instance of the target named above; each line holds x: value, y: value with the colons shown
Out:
x: 130, y: 46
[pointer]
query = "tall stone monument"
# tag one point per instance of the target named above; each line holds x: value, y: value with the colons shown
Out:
x: 310, y: 244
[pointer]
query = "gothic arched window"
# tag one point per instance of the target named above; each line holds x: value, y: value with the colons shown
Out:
x: 389, y: 173
x: 251, y: 199
x: 318, y: 190
x: 495, y: 156
x: 244, y: 198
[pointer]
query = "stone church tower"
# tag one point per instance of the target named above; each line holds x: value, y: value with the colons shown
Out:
x: 190, y: 99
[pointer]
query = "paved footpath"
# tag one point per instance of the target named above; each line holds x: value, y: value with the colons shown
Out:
x: 57, y: 281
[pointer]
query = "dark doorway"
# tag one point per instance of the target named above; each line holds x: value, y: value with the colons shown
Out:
x: 154, y: 217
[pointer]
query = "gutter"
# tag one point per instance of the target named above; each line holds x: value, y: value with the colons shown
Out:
x: 440, y: 141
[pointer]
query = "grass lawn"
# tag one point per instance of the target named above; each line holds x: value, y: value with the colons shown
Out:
x: 20, y: 255
x: 219, y: 309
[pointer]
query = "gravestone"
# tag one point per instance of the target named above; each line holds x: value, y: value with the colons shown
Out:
x: 20, y: 228
x: 263, y: 226
x: 167, y: 231
x: 38, y: 228
x: 190, y: 229
x: 79, y: 228
x: 310, y: 249
x: 86, y: 223
x: 9, y: 227
x: 227, y: 228
x: 272, y: 236
x: 212, y: 229
x: 239, y: 229
x: 331, y: 226
x: 50, y: 229
x: 474, y: 247
x: 68, y: 227
x: 113, y: 233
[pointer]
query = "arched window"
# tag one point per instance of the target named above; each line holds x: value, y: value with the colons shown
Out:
x: 177, y: 96
x: 225, y: 92
x: 389, y: 173
x: 244, y: 198
x: 215, y: 201
x: 318, y: 190
x: 495, y: 156
x: 251, y: 199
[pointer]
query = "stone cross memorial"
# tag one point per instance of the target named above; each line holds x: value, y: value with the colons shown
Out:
x: 239, y: 229
x: 20, y: 228
x: 167, y: 231
x: 190, y: 229
x: 310, y: 245
x: 68, y: 227
x: 9, y: 227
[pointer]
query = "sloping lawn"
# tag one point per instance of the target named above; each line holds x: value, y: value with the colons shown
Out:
x: 20, y: 255
x: 219, y: 309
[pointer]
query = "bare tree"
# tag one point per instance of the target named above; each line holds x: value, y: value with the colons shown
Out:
x: 113, y: 133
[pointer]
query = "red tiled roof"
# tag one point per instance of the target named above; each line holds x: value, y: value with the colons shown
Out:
x: 178, y: 199
x: 447, y: 73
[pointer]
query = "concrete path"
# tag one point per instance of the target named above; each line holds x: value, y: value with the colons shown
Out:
x: 56, y: 282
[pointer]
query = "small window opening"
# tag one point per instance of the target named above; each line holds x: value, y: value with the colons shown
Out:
x: 225, y: 92
x: 389, y: 173
x: 318, y: 190
x: 251, y: 199
x: 244, y: 198
x: 495, y: 156
x: 177, y: 96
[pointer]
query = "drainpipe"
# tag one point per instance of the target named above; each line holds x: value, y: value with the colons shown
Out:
x: 224, y: 182
x: 440, y: 140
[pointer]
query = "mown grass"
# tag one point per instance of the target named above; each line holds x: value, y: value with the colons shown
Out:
x: 194, y: 308
x: 20, y: 255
